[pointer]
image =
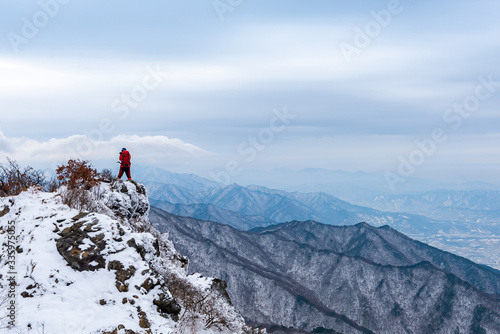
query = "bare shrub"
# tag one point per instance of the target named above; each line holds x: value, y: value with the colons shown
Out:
x: 79, y: 199
x: 79, y: 177
x: 53, y: 185
x: 78, y: 174
x: 106, y: 175
x: 14, y: 180
x: 199, y: 307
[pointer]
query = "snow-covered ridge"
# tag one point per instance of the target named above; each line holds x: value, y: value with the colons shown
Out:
x: 106, y: 271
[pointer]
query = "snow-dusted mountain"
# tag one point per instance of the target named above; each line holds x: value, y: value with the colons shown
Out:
x: 471, y: 230
x: 214, y: 213
x: 102, y: 271
x: 463, y: 203
x: 192, y: 182
x: 302, y: 277
x: 259, y: 205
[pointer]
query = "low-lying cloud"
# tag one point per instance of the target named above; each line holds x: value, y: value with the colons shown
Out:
x: 59, y: 150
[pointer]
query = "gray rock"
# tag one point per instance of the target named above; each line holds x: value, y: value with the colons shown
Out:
x: 72, y: 238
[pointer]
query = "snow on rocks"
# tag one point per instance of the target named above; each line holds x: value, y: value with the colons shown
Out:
x: 100, y: 272
x: 127, y: 199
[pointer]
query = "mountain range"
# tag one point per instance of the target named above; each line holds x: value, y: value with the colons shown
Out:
x: 302, y: 277
x: 470, y: 230
x: 255, y: 206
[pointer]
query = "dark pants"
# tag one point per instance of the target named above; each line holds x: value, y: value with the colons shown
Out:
x: 126, y: 170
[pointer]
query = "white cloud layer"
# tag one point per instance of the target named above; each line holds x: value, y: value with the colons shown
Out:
x: 59, y: 150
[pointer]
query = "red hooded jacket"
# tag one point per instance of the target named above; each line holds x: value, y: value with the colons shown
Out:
x: 125, y: 159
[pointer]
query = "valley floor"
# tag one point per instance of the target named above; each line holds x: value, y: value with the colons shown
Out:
x: 484, y: 249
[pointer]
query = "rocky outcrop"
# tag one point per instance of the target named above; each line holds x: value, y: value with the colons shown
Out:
x: 122, y: 274
x: 220, y: 287
x: 167, y: 305
x: 81, y: 245
x: 127, y: 200
x: 4, y: 211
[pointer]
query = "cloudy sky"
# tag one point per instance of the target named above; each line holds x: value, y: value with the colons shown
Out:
x: 230, y: 85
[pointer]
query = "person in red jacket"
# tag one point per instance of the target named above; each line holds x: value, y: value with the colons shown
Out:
x: 125, y: 158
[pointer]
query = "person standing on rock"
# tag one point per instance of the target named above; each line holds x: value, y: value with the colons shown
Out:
x: 125, y: 163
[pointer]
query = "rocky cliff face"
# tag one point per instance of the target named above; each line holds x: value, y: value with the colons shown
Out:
x: 106, y: 271
x: 310, y: 277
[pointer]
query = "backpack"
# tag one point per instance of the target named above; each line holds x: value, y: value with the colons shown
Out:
x: 125, y: 158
